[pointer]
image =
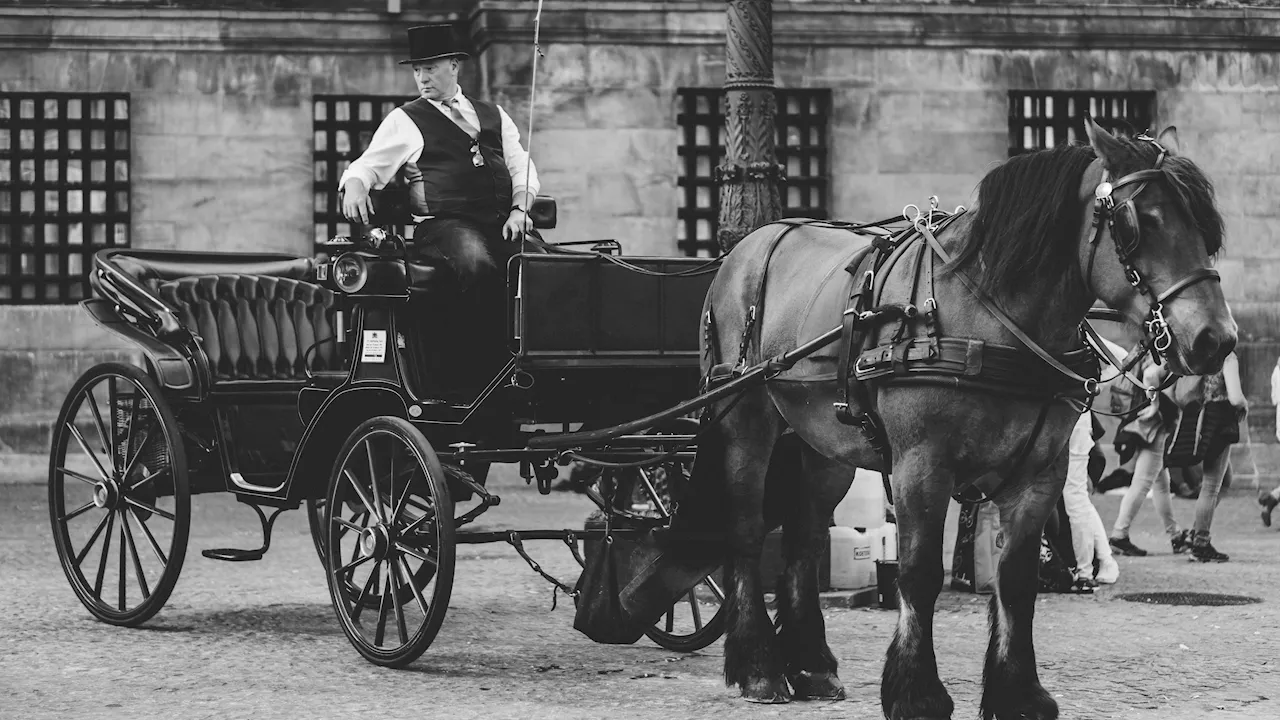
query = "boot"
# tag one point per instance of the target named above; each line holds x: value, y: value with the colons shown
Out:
x: 1108, y: 571
x: 1180, y: 541
x: 1203, y: 551
x: 1268, y: 503
x: 1123, y: 546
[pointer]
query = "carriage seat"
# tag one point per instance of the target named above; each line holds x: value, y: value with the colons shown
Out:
x: 256, y: 327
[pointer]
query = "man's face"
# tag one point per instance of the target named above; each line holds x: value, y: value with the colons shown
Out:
x: 436, y: 79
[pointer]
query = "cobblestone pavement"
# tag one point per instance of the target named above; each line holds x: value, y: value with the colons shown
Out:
x: 259, y: 640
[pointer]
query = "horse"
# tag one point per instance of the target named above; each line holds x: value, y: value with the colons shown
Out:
x: 1020, y: 270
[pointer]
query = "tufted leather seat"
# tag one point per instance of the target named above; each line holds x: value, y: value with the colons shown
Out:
x: 255, y: 327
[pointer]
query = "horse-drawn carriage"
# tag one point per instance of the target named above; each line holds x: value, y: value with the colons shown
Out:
x: 295, y: 380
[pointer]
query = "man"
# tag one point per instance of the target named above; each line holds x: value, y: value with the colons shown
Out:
x: 471, y: 185
x: 465, y: 155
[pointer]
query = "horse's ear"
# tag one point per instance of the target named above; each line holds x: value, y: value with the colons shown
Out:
x: 1109, y: 150
x: 1169, y: 140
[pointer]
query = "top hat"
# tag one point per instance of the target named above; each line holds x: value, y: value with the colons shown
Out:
x: 429, y: 42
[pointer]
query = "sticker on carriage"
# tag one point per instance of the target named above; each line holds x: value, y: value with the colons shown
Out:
x: 374, y: 347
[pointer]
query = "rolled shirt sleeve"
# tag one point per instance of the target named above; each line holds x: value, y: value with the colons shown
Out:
x: 524, y: 176
x: 396, y: 141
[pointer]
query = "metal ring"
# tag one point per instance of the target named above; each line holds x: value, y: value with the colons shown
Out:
x: 1091, y: 386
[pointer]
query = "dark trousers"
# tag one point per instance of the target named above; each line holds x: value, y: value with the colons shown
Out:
x: 469, y: 322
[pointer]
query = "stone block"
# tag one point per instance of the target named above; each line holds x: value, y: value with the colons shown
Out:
x: 904, y: 150
x: 841, y: 67
x: 1206, y: 111
x: 606, y: 150
x: 556, y: 109
x: 214, y: 203
x: 963, y: 110
x: 233, y: 157
x: 612, y: 194
x: 855, y: 109
x: 155, y: 236
x: 249, y: 117
x: 854, y: 151
x: 187, y: 114
x: 564, y: 65
x: 62, y: 70
x: 155, y: 157
x: 625, y: 66
x: 631, y: 108
x: 510, y: 65
x: 1242, y: 281
x: 38, y: 381
x: 53, y: 327
x: 900, y: 110
x: 873, y: 196
x: 639, y: 235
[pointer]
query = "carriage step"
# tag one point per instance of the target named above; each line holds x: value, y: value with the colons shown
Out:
x: 234, y: 555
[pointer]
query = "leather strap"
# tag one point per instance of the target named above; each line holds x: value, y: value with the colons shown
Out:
x: 1090, y: 384
x: 1191, y: 279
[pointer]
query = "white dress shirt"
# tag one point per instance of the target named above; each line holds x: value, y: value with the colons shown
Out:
x: 398, y: 141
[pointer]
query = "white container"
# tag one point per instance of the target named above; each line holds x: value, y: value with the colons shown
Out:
x: 852, y: 567
x: 863, y: 506
x: 884, y: 542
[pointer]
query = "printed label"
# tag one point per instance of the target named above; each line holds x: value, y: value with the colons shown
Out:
x: 374, y: 347
x: 862, y: 553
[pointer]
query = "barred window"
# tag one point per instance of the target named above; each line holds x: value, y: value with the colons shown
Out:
x: 64, y: 191
x: 343, y: 126
x: 801, y: 142
x: 1041, y: 119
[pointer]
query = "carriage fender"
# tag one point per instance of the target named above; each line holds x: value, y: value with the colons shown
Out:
x: 337, y: 418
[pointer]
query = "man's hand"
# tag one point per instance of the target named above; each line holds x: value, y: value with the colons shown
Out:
x: 517, y: 225
x: 356, y: 204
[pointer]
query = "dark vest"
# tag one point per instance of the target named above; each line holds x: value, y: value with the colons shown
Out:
x: 453, y: 185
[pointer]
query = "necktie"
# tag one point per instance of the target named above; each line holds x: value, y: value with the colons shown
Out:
x: 455, y: 113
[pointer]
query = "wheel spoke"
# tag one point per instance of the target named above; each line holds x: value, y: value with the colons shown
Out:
x: 671, y: 621
x: 398, y: 507
x: 97, y: 420
x: 128, y: 431
x: 427, y: 515
x: 373, y: 480
x: 420, y: 555
x: 137, y: 454
x: 653, y: 493
x: 368, y: 585
x: 79, y: 476
x: 351, y: 478
x: 715, y: 588
x: 395, y: 600
x: 381, y: 630
x: 155, y: 546
x: 85, y: 446
x: 150, y: 508
x: 408, y: 578
x: 391, y: 486
x: 137, y: 561
x: 697, y: 613
x: 92, y: 539
x: 77, y: 512
x: 106, y: 550
x: 352, y: 565
x: 347, y: 523
x: 145, y: 480
x: 123, y: 569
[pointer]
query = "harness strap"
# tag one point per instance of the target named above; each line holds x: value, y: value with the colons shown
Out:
x: 1191, y: 279
x: 1090, y: 384
x: 1023, y: 453
x: 756, y: 309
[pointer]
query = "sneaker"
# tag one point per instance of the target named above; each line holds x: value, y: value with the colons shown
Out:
x: 1203, y: 551
x: 1268, y: 504
x: 1180, y: 541
x: 1125, y: 547
x: 1108, y: 571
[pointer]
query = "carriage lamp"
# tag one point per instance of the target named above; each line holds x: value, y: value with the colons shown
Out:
x: 350, y: 273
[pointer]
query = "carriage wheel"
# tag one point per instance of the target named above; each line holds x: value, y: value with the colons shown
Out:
x: 118, y: 474
x: 697, y: 619
x: 389, y: 549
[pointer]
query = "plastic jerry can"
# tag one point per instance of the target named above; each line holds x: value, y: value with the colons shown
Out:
x: 852, y: 566
x: 884, y: 542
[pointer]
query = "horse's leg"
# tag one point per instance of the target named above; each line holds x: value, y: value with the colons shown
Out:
x: 749, y: 433
x: 802, y: 637
x: 1011, y: 686
x: 909, y: 687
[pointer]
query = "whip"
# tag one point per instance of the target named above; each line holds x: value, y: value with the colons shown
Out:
x: 533, y: 90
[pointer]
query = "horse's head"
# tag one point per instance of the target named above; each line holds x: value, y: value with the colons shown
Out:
x: 1156, y: 211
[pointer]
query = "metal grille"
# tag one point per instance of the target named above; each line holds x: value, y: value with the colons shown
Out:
x: 1189, y: 598
x: 1044, y: 119
x: 801, y: 146
x: 343, y: 126
x: 64, y: 191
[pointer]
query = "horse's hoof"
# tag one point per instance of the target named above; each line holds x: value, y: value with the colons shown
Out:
x: 817, y: 686
x: 766, y: 692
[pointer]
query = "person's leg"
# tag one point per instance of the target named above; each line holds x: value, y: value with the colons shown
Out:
x: 1214, y: 470
x: 1162, y: 499
x: 1269, y: 501
x: 1146, y: 467
x: 1075, y: 499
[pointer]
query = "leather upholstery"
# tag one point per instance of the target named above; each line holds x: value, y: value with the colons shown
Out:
x: 255, y: 327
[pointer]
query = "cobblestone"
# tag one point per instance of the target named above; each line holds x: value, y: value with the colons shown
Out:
x: 259, y: 640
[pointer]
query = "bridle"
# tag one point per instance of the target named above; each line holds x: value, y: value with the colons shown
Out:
x: 1122, y: 219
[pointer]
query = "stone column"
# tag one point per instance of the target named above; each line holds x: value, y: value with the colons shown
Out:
x: 749, y: 177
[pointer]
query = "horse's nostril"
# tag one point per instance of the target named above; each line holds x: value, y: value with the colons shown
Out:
x: 1212, y: 344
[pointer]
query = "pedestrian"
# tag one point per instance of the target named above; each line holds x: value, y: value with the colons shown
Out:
x: 1270, y: 500
x: 1088, y: 534
x: 1221, y: 402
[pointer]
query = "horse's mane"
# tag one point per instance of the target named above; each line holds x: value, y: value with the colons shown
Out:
x: 1027, y: 221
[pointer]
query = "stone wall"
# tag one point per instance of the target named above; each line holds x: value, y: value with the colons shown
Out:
x: 222, y: 113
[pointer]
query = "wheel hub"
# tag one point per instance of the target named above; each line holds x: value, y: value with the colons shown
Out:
x: 375, y: 541
x: 106, y: 494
